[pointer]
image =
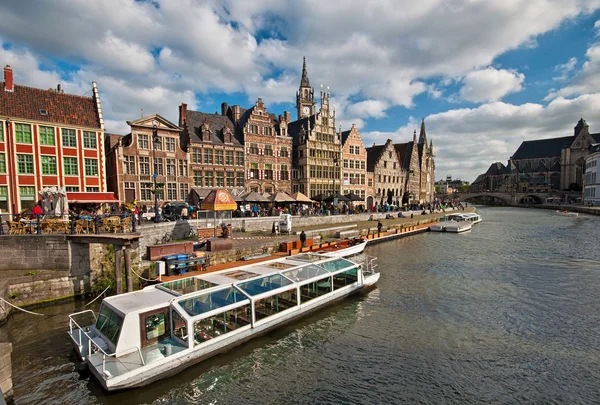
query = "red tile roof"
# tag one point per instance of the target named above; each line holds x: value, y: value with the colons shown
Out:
x: 26, y: 102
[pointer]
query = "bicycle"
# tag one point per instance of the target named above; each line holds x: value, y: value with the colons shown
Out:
x: 191, y: 233
x: 168, y: 237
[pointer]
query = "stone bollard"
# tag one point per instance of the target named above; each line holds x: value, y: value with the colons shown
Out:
x: 6, y: 385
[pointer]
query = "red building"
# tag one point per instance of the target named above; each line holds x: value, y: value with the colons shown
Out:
x: 48, y: 138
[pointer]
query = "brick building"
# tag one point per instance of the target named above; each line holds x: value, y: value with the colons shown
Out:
x: 317, y: 146
x: 354, y: 168
x: 133, y: 159
x: 48, y: 138
x: 268, y: 148
x: 216, y: 154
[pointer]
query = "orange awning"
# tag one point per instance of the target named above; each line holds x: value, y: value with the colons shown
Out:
x: 219, y: 200
x: 91, y: 198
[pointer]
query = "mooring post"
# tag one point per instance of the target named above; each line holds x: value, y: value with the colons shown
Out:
x: 118, y: 268
x: 6, y: 385
x: 128, y: 277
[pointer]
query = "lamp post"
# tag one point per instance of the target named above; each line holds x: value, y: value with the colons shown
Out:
x: 155, y: 140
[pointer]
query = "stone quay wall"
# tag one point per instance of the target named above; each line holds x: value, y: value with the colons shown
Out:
x: 6, y: 384
x: 34, y: 252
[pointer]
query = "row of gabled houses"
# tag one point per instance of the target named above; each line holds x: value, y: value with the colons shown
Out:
x: 542, y: 165
x: 49, y: 138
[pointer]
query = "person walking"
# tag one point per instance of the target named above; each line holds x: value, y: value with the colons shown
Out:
x: 379, y: 226
x: 303, y: 239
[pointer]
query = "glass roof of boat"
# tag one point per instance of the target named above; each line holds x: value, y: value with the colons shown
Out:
x: 187, y: 285
x: 264, y: 284
x: 309, y: 257
x: 240, y: 274
x: 336, y: 264
x: 208, y: 301
x: 305, y: 273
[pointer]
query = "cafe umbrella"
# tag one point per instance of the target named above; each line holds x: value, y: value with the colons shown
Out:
x: 218, y: 200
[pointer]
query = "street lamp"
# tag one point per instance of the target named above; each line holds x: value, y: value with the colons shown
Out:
x: 155, y: 140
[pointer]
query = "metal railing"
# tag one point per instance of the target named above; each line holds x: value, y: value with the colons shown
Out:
x: 369, y: 265
x: 97, y: 348
x: 17, y: 225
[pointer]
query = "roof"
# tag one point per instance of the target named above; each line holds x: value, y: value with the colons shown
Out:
x: 404, y: 151
x: 294, y: 127
x: 542, y: 147
x: 345, y: 136
x: 495, y: 169
x: 61, y: 108
x: 373, y: 154
x: 217, y: 122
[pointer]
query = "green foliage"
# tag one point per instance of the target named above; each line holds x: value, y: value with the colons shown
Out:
x: 438, y: 189
x: 463, y: 188
x: 14, y: 295
x: 31, y: 273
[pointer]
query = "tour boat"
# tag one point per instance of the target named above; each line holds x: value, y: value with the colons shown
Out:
x: 143, y: 336
x: 471, y: 217
x: 566, y: 213
x: 457, y: 227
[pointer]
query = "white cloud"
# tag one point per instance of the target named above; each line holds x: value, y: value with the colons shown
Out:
x: 490, y: 84
x: 564, y: 69
x: 585, y: 81
x: 368, y: 108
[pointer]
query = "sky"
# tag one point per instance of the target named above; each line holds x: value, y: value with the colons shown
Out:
x: 485, y: 75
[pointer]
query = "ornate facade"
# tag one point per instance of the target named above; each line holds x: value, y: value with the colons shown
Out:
x: 388, y: 174
x: 354, y: 167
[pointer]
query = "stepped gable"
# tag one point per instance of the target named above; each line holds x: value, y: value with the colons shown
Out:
x: 294, y: 127
x: 61, y: 108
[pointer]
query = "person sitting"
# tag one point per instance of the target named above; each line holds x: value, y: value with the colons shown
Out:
x: 400, y: 215
x: 370, y: 217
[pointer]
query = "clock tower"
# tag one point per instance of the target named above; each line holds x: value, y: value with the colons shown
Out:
x: 305, y: 96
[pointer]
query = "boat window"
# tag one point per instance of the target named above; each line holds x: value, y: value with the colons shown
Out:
x: 275, y: 304
x: 315, y: 289
x: 217, y: 325
x: 179, y: 326
x: 335, y: 265
x: 207, y: 302
x: 264, y: 284
x: 346, y: 278
x: 305, y: 273
x: 187, y: 285
x: 109, y: 323
x: 309, y: 257
x: 155, y: 326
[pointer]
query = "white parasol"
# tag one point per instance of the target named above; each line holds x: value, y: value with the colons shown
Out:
x: 61, y: 206
x: 46, y: 200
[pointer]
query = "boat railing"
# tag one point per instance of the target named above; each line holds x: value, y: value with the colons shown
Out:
x: 96, y: 348
x: 368, y: 265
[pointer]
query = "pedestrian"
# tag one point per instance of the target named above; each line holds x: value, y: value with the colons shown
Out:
x: 37, y: 211
x: 303, y: 239
x: 379, y: 226
x: 184, y: 213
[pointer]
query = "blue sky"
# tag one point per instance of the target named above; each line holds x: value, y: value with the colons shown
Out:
x: 485, y: 75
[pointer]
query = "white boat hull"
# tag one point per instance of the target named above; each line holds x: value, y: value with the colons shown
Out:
x: 459, y: 227
x: 349, y: 251
x: 567, y: 214
x: 437, y: 228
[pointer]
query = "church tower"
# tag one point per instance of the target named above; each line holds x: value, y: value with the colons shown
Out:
x: 305, y: 96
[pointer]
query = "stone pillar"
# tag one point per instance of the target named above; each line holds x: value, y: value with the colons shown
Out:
x: 128, y: 277
x: 6, y: 385
x: 118, y: 268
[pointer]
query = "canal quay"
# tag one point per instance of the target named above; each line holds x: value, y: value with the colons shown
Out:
x: 504, y: 313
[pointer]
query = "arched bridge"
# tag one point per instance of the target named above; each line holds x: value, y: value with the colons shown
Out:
x: 508, y: 198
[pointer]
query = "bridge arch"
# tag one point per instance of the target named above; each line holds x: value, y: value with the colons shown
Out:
x: 490, y: 196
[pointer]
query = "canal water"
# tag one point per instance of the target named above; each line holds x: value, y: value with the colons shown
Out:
x: 508, y: 313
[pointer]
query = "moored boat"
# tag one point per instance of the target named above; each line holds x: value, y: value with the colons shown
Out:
x: 459, y: 226
x: 350, y: 248
x: 566, y: 213
x: 143, y: 336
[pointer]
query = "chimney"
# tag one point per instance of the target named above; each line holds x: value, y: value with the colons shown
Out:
x: 58, y: 88
x: 288, y: 116
x: 223, y: 109
x: 182, y: 114
x: 8, y: 78
x: 236, y: 113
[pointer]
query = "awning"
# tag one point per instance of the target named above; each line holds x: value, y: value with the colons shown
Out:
x: 91, y: 198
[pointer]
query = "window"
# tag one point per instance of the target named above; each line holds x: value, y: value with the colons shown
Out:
x: 172, y: 191
x: 209, y: 179
x: 253, y: 150
x: 268, y: 150
x: 72, y: 189
x: 70, y: 166
x: 184, y: 191
x: 239, y: 179
x: 25, y: 164
x: 230, y: 179
x: 171, y: 167
x: 23, y: 133
x: 69, y: 138
x: 208, y: 156
x: 357, y: 150
x: 129, y: 164
x: 2, y: 163
x: 253, y: 129
x: 220, y: 324
x: 2, y: 131
x: 254, y: 170
x: 109, y: 323
x: 268, y: 171
x: 47, y: 136
x: 362, y: 164
x: 144, y: 164
x: 158, y: 166
x: 92, y: 189
x: 220, y: 179
x: 27, y: 197
x: 229, y: 158
x: 3, y: 199
x: 284, y: 152
x: 48, y: 165
x: 183, y: 168
x: 157, y: 142
x: 285, y: 174
x: 197, y: 155
x: 239, y: 158
x: 170, y: 144
x: 143, y: 141
x: 145, y: 192
x: 219, y: 157
x: 198, y: 178
x: 268, y: 131
x: 91, y: 167
x: 89, y: 140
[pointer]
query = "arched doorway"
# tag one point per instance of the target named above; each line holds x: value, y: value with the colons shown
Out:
x: 369, y: 202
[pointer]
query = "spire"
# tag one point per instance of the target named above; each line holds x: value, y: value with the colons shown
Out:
x: 304, y: 82
x: 415, y: 136
x: 423, y: 135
